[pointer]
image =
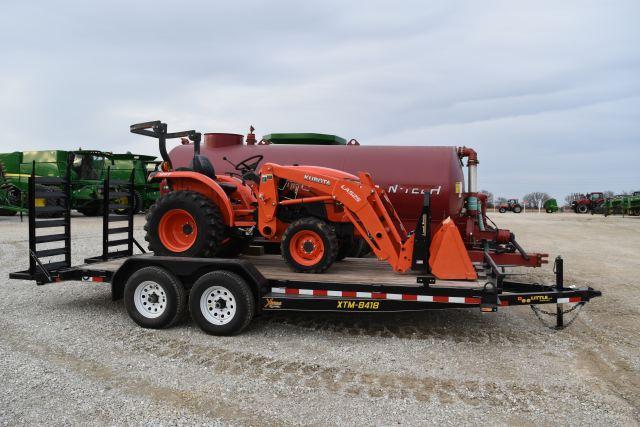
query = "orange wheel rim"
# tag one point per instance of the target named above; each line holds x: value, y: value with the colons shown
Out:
x: 177, y: 230
x: 306, y: 248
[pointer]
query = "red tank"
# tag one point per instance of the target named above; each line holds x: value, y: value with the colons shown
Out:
x: 405, y: 172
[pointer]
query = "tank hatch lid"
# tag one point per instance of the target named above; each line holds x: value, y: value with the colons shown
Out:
x: 304, y: 138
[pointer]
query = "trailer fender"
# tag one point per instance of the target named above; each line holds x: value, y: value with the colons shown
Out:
x: 195, y: 181
x: 188, y: 270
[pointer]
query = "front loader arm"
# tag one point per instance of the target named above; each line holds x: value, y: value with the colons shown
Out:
x: 362, y: 201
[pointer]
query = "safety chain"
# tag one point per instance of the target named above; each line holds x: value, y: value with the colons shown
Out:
x: 577, y: 308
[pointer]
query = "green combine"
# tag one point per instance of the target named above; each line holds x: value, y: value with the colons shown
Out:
x: 10, y: 196
x: 87, y: 174
x: 123, y: 165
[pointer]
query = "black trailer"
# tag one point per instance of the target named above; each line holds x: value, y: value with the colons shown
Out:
x: 223, y: 295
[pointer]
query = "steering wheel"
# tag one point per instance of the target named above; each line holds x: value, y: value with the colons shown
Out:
x: 244, y: 166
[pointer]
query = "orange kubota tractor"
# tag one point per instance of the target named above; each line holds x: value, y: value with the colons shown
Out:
x: 310, y: 210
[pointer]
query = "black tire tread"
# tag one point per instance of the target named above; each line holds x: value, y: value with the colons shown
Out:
x: 325, y: 230
x: 242, y: 293
x: 176, y: 286
x: 214, y: 223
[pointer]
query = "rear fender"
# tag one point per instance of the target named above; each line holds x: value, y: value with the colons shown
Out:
x: 194, y: 181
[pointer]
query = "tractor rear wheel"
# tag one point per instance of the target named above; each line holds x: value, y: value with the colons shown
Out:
x: 186, y: 224
x: 517, y: 209
x: 309, y: 245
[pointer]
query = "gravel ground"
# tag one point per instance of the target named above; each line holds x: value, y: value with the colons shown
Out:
x: 68, y: 354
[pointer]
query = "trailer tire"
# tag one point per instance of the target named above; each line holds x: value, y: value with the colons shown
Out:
x: 221, y: 303
x: 203, y: 236
x: 309, y: 245
x: 155, y: 298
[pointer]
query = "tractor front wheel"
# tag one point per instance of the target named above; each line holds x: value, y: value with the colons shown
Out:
x: 502, y: 210
x: 184, y: 223
x: 583, y: 209
x: 309, y: 245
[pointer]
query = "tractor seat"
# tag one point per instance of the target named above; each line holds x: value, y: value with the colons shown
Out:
x: 202, y: 165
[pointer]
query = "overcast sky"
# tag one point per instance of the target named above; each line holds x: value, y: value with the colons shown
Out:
x: 548, y: 93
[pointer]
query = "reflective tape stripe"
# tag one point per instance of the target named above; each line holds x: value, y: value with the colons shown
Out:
x: 378, y: 295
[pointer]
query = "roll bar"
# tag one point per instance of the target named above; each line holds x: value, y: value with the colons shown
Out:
x: 157, y: 129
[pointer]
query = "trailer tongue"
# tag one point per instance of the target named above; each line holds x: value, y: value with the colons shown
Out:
x: 223, y: 295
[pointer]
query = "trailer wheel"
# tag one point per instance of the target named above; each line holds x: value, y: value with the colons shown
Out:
x: 184, y: 223
x: 154, y: 298
x: 309, y: 245
x: 221, y: 303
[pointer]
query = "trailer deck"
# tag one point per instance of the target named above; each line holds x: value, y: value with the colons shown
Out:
x: 156, y: 289
x: 356, y: 271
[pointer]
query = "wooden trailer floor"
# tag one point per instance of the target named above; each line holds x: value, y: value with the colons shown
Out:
x: 359, y: 271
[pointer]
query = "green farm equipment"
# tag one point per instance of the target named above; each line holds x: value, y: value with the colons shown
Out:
x: 16, y: 167
x: 623, y: 205
x: 145, y: 193
x: 10, y: 202
x: 551, y: 206
x: 87, y: 172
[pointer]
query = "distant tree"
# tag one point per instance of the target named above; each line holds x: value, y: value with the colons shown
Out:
x: 489, y: 197
x: 608, y: 194
x: 500, y: 201
x: 572, y: 197
x: 535, y: 199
